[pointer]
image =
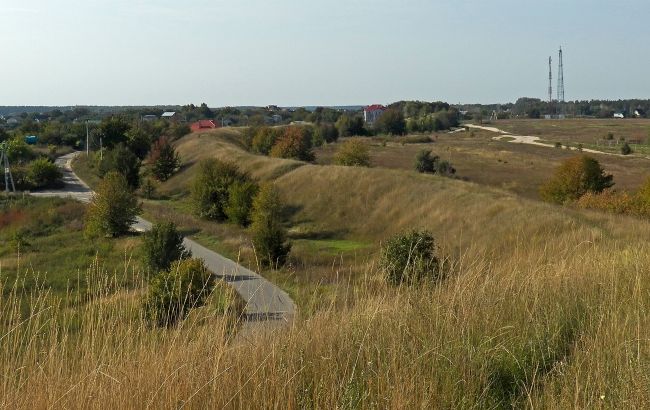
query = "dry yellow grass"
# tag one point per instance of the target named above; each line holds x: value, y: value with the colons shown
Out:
x: 545, y: 326
x: 544, y: 307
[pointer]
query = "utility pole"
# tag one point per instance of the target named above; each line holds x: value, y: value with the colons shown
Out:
x: 101, y: 149
x: 87, y: 140
x: 4, y: 160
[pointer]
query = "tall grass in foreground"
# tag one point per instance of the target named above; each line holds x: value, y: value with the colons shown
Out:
x: 561, y: 323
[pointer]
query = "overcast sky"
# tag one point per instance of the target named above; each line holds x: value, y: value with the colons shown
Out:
x: 304, y: 52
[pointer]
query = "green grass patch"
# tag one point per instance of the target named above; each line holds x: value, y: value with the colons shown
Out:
x: 331, y: 246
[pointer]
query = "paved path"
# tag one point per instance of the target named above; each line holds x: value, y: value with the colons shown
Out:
x: 530, y: 140
x: 265, y: 302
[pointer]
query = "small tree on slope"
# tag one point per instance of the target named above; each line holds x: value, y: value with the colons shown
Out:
x: 113, y: 209
x: 269, y: 236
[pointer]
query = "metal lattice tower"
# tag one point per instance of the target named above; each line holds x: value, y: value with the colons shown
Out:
x: 560, y: 79
x: 550, y: 81
x: 4, y: 162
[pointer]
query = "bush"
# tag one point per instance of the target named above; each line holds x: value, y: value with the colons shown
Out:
x: 642, y: 198
x: 353, y: 153
x: 269, y: 236
x: 609, y: 201
x: 163, y: 159
x: 240, y: 202
x: 574, y: 178
x: 43, y: 173
x: 163, y: 245
x: 210, y: 189
x: 173, y: 293
x: 410, y: 258
x: 113, y: 208
x: 626, y: 149
x: 120, y: 159
x: 444, y: 168
x: 425, y: 163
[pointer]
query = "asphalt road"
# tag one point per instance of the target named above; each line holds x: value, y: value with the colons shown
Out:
x: 267, y: 305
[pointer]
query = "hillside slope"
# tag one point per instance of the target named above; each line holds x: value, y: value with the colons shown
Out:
x: 543, y: 307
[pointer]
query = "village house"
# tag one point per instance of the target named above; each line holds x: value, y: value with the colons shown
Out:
x: 372, y: 112
x: 170, y: 116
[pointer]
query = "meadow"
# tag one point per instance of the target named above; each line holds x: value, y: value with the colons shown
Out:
x: 517, y: 168
x: 542, y: 306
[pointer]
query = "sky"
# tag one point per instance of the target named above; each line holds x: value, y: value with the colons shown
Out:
x: 305, y: 52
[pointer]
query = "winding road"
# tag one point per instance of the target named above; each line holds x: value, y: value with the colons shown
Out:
x: 266, y: 304
x: 530, y: 140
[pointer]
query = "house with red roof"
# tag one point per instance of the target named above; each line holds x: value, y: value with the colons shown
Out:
x: 204, y: 125
x: 372, y: 112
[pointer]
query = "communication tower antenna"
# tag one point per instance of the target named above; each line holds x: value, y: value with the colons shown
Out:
x: 4, y: 162
x: 560, y: 79
x: 550, y: 80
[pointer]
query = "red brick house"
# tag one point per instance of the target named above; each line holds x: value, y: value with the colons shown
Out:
x: 203, y: 125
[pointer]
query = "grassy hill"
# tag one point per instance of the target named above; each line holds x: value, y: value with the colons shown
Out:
x: 544, y: 306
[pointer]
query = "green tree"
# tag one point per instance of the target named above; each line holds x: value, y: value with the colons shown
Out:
x: 349, y: 126
x: 42, y: 173
x: 138, y: 141
x: 391, y: 122
x: 210, y: 188
x: 574, y: 178
x: 113, y: 131
x: 178, y: 130
x: 410, y: 258
x: 269, y: 235
x: 326, y: 132
x: 240, y: 202
x: 264, y: 139
x: 113, y: 209
x: 353, y: 153
x: 173, y: 293
x: 294, y: 143
x: 162, y: 245
x: 163, y: 159
x: 121, y: 159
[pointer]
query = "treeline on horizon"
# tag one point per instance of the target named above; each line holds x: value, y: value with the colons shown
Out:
x: 536, y: 108
x: 61, y: 126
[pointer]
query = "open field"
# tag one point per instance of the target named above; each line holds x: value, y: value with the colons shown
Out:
x: 543, y: 306
x: 518, y: 168
x: 590, y: 133
x: 43, y: 245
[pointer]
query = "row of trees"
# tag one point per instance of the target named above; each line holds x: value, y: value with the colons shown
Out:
x: 127, y: 158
